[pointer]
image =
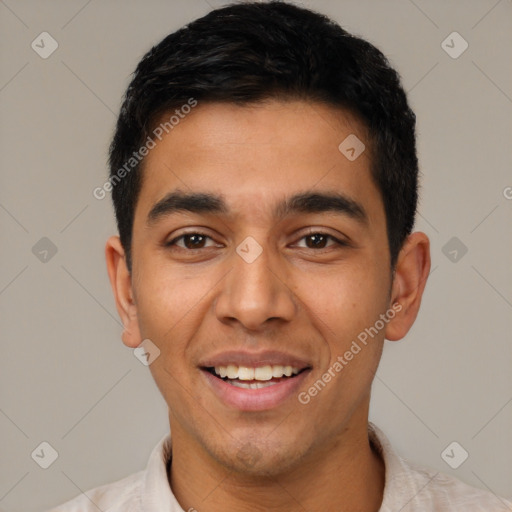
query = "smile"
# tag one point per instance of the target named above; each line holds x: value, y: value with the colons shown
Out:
x: 254, y: 388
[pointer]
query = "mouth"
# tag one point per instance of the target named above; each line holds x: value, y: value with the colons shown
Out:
x: 246, y: 377
x: 254, y: 388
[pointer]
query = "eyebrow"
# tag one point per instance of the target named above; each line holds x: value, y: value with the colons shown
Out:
x: 307, y: 202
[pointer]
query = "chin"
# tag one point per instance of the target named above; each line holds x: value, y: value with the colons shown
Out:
x: 261, y: 459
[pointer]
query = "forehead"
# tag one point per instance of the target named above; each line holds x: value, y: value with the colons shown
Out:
x: 259, y: 154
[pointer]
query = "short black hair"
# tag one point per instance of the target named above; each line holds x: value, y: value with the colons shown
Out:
x: 250, y: 52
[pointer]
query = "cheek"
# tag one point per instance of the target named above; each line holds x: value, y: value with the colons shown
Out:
x: 348, y: 307
x: 168, y: 309
x: 165, y: 303
x: 345, y: 301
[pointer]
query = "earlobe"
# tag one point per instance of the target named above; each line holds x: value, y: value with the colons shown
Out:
x: 121, y: 283
x: 410, y: 277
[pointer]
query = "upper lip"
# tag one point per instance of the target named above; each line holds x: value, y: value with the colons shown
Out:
x: 254, y: 359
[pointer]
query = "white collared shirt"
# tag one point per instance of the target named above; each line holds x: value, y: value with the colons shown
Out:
x: 408, y: 488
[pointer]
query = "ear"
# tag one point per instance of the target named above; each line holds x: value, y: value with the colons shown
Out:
x: 410, y: 277
x: 121, y: 282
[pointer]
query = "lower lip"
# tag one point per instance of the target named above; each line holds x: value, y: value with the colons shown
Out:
x: 255, y: 399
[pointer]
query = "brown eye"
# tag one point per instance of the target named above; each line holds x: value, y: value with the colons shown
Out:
x: 190, y: 241
x: 317, y: 240
x: 320, y: 241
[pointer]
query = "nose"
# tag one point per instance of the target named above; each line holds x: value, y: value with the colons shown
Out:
x: 255, y: 292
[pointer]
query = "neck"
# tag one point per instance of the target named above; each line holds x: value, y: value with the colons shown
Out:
x: 345, y: 476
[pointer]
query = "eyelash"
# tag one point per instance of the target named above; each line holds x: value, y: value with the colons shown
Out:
x: 338, y: 242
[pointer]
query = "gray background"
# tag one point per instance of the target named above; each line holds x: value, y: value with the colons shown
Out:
x: 66, y: 378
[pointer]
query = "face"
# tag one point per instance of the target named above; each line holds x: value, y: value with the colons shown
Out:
x: 260, y: 280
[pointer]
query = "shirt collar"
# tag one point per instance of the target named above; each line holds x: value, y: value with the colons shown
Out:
x: 403, y: 481
x: 157, y: 494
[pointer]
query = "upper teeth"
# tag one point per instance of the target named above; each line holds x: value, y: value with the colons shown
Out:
x: 261, y: 373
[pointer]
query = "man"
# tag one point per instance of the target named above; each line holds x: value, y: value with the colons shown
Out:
x: 264, y: 179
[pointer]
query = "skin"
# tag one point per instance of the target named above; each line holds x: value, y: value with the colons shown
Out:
x: 310, y: 300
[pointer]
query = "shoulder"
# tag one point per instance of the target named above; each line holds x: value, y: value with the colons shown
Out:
x: 410, y: 487
x: 119, y: 496
x: 439, y: 491
x: 132, y: 493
